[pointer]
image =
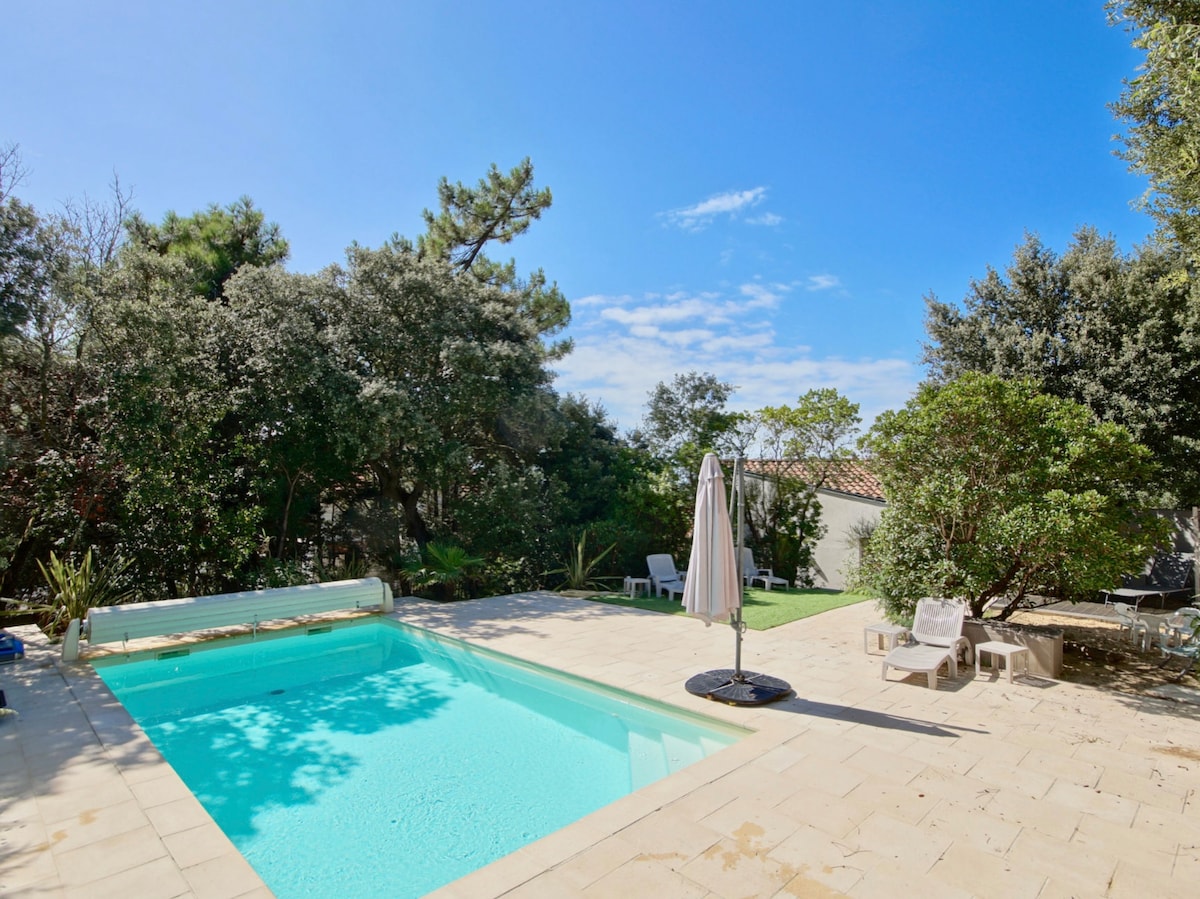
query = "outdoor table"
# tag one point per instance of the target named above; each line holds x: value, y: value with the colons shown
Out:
x: 1010, y: 652
x: 883, y: 631
x: 1135, y: 595
x: 637, y: 585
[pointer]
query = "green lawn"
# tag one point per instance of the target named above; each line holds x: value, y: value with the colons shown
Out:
x: 762, y: 609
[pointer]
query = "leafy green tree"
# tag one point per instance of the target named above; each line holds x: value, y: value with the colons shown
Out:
x: 1161, y: 106
x: 996, y: 491
x: 1117, y: 333
x: 297, y: 410
x: 688, y: 418
x: 619, y: 492
x: 183, y: 491
x: 441, y: 361
x: 684, y: 420
x: 215, y: 243
x: 804, y: 442
x: 27, y: 263
x: 581, y: 453
x: 49, y: 417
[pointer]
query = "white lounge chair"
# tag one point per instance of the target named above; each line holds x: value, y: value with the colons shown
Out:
x: 934, y: 640
x: 752, y: 573
x: 663, y: 575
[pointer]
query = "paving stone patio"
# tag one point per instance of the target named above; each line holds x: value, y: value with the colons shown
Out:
x: 855, y: 786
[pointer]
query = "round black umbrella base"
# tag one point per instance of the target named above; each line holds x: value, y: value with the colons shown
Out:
x: 747, y: 688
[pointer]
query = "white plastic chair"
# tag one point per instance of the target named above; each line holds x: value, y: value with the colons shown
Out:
x: 663, y: 575
x: 1128, y: 619
x: 1179, y: 628
x: 935, y: 640
x: 1188, y: 652
x: 751, y: 572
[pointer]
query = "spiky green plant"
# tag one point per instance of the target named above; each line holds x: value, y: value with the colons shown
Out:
x: 77, y: 587
x: 347, y: 570
x: 578, y: 571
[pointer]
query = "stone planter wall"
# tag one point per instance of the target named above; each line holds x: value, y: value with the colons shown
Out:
x: 1045, y: 643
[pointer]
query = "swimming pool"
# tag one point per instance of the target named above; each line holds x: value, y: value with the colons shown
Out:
x: 376, y: 759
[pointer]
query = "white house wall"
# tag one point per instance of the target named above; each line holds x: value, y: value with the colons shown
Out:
x: 842, y: 515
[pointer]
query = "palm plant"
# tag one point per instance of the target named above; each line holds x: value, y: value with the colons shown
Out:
x: 443, y: 567
x: 75, y: 588
x: 578, y: 570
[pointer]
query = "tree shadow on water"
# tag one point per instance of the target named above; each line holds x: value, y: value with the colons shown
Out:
x: 286, y: 749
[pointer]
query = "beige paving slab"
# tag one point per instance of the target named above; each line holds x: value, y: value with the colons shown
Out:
x: 891, y: 878
x: 644, y: 875
x: 738, y: 867
x: 196, y: 845
x: 114, y: 854
x: 224, y: 877
x: 157, y: 879
x: 971, y: 825
x: 583, y: 869
x: 95, y: 823
x: 823, y: 867
x: 1088, y: 873
x: 985, y: 874
x: 1038, y: 815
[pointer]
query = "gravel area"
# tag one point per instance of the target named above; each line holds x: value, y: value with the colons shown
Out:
x: 1097, y: 653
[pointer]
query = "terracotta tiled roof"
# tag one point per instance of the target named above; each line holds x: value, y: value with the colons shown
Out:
x: 848, y: 476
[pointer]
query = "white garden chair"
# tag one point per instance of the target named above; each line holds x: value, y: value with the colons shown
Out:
x: 1139, y: 629
x: 935, y: 640
x: 1179, y: 628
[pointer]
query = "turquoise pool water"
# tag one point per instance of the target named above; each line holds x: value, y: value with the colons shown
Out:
x: 372, y: 759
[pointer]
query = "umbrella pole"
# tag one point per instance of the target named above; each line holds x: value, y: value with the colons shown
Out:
x: 739, y: 487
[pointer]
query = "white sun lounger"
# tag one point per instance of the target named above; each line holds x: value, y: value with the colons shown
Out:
x: 751, y: 572
x: 663, y: 576
x: 935, y: 640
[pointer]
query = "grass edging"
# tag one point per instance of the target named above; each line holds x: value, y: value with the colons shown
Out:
x: 761, y: 609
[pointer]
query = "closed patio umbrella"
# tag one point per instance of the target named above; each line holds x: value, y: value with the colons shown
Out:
x: 713, y: 590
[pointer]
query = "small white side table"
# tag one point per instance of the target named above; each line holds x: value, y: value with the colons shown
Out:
x: 634, y: 585
x: 893, y: 633
x: 1010, y: 651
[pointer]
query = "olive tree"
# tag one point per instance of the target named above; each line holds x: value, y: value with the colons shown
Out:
x: 442, y: 363
x: 1119, y: 333
x: 997, y: 491
x: 179, y: 482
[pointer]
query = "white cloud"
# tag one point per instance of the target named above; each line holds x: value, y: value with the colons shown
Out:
x: 767, y: 218
x: 823, y: 282
x: 700, y: 215
x: 624, y: 349
x: 674, y: 310
x: 598, y: 299
x: 761, y: 296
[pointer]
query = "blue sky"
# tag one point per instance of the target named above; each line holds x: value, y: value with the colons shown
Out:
x: 766, y: 191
